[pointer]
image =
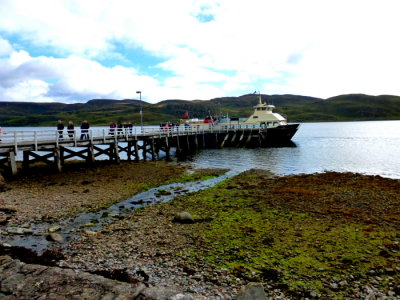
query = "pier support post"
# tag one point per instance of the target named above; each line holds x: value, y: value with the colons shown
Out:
x: 129, y: 151
x: 136, y: 150
x: 25, y: 160
x: 178, y: 147
x: 144, y: 150
x: 167, y: 149
x: 90, y: 159
x: 12, y: 163
x: 8, y: 165
x: 225, y: 139
x: 116, y: 153
x: 233, y: 138
x: 153, y: 150
x: 196, y: 143
x: 187, y: 143
x: 57, y: 159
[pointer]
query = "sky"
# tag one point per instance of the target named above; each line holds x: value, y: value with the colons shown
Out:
x: 77, y: 50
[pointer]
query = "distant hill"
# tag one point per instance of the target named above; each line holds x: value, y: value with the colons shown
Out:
x: 350, y: 107
x: 297, y: 108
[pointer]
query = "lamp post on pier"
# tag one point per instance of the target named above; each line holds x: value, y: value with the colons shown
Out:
x: 141, y: 110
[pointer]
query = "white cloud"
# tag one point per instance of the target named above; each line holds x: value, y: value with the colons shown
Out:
x: 5, y: 47
x: 28, y: 90
x: 65, y: 79
x: 209, y: 48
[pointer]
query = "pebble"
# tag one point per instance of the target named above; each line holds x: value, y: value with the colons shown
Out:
x: 53, y: 229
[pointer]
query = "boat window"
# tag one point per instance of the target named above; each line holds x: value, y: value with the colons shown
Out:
x: 264, y: 108
x: 276, y: 124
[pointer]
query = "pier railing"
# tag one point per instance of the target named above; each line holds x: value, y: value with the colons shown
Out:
x: 20, y: 138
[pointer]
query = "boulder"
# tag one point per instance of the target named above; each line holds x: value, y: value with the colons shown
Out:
x: 29, y: 281
x: 252, y: 291
x: 55, y: 237
x: 184, y: 218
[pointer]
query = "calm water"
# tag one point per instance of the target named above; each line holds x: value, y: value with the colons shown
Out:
x: 363, y: 147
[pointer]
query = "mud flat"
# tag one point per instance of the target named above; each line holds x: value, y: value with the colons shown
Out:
x: 329, y: 235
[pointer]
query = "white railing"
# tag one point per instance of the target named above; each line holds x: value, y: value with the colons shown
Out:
x: 18, y: 138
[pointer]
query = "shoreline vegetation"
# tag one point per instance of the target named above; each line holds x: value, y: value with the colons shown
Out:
x: 328, y: 235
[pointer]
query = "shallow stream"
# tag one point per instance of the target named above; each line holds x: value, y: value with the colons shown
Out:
x: 36, y: 237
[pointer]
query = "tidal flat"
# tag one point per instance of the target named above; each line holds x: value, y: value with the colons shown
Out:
x: 327, y: 235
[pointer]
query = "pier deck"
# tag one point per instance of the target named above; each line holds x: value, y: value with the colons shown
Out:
x: 53, y: 148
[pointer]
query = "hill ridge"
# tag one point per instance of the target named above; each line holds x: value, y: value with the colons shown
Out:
x: 347, y: 107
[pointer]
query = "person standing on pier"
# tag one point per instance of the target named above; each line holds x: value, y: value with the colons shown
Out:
x: 112, y: 128
x: 85, y: 130
x: 119, y: 128
x: 60, y: 128
x: 130, y: 126
x: 71, y: 129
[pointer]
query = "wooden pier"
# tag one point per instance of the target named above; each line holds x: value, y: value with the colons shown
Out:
x: 54, y: 148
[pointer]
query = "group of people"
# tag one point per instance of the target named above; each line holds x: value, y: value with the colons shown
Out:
x: 168, y: 125
x: 121, y: 128
x: 71, y: 129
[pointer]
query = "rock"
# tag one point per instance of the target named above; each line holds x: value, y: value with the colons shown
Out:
x: 15, y: 230
x: 181, y: 297
x: 53, y: 229
x: 390, y: 271
x: 184, y: 218
x: 3, y: 218
x: 252, y: 291
x: 2, y: 180
x: 7, y: 210
x: 28, y: 281
x: 89, y: 232
x: 55, y: 237
x: 333, y: 286
x: 158, y: 293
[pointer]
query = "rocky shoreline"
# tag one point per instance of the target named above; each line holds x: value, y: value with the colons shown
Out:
x: 162, y: 258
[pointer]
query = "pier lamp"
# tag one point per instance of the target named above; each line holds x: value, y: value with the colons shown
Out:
x: 141, y: 110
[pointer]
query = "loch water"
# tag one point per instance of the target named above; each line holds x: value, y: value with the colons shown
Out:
x: 368, y: 147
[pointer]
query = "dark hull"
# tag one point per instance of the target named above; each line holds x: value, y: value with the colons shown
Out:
x: 250, y: 138
x: 278, y: 135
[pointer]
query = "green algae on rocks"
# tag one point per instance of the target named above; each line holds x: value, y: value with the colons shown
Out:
x: 320, y: 234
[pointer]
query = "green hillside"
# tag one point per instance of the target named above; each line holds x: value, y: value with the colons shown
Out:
x: 349, y: 108
x: 295, y: 108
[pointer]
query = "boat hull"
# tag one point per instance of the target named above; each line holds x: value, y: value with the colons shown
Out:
x: 278, y: 135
